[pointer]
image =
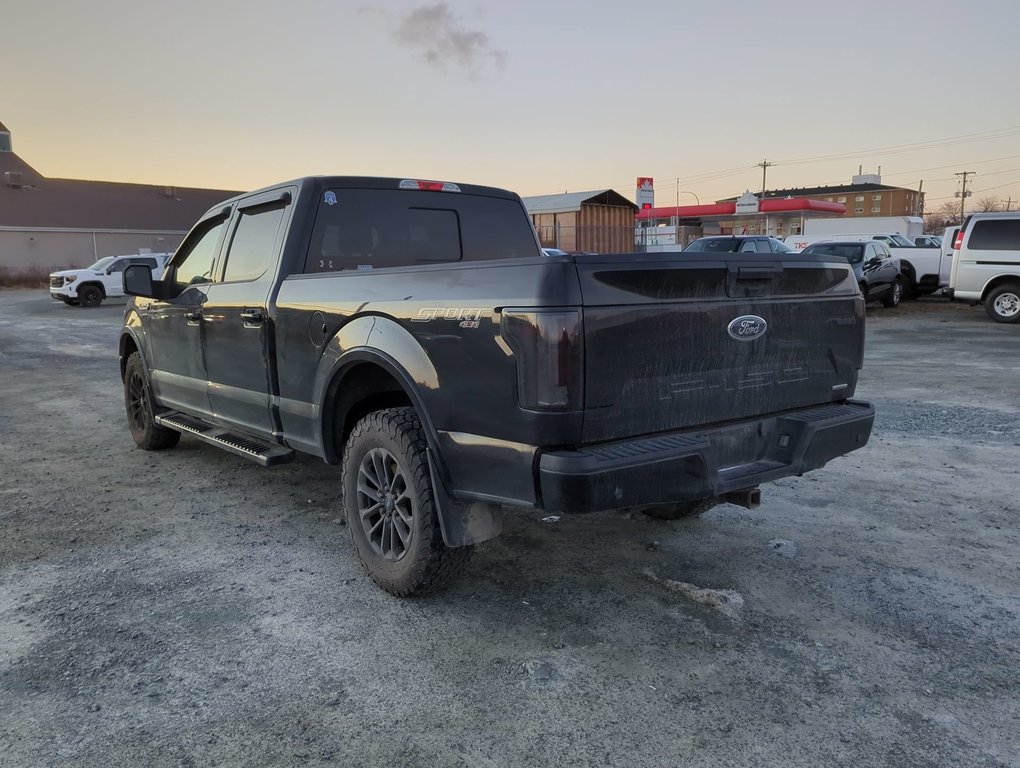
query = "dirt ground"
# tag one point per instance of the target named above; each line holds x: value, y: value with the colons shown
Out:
x: 188, y: 608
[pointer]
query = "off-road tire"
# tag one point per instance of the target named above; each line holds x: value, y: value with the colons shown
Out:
x: 426, y: 563
x: 147, y: 434
x: 680, y: 509
x: 90, y: 296
x: 1004, y: 297
x: 895, y: 295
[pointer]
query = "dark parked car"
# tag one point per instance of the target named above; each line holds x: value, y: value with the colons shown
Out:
x: 739, y: 244
x: 877, y: 270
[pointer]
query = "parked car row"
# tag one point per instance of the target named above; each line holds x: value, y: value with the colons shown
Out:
x: 977, y: 262
x: 877, y: 272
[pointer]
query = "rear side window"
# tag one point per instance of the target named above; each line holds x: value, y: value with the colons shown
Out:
x: 377, y: 228
x: 254, y: 243
x: 995, y: 235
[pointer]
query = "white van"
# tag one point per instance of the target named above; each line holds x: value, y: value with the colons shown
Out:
x: 986, y: 264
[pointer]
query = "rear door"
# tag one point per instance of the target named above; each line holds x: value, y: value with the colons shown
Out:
x: 682, y: 341
x: 235, y: 316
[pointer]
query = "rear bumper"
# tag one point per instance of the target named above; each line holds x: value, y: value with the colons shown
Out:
x: 683, y: 466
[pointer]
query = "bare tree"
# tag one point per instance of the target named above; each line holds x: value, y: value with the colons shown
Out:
x: 986, y: 204
x: 946, y: 215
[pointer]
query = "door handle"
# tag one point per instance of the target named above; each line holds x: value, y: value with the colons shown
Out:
x: 193, y: 315
x: 251, y: 316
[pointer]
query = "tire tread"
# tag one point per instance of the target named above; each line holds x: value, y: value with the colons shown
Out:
x: 436, y: 564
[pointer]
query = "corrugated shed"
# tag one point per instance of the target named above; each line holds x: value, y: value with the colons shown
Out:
x: 572, y: 201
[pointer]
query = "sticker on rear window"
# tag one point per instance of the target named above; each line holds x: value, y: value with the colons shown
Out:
x: 329, y: 198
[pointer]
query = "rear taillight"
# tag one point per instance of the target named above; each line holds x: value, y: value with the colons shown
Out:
x: 429, y: 186
x: 958, y: 241
x: 548, y: 346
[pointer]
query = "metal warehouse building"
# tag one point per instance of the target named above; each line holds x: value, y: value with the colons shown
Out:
x: 599, y: 221
x: 48, y: 224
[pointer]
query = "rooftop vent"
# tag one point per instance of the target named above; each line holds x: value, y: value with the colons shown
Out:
x: 13, y: 179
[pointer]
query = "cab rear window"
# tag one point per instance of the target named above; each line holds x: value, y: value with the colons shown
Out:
x: 367, y: 229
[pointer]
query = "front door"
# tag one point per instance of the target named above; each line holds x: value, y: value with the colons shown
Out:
x: 174, y: 327
x: 236, y: 317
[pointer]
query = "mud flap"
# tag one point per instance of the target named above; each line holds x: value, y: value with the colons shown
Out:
x: 463, y: 523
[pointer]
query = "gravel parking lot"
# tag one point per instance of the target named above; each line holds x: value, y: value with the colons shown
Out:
x: 189, y: 608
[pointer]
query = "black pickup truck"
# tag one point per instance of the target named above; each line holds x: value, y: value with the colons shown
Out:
x: 415, y: 333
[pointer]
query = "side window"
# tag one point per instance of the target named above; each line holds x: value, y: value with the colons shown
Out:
x: 749, y: 246
x: 253, y: 246
x: 995, y: 235
x: 118, y: 266
x: 151, y: 263
x: 195, y: 258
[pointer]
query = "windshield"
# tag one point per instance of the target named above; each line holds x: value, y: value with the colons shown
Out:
x: 102, y: 264
x: 901, y: 241
x: 848, y: 251
x: 715, y: 245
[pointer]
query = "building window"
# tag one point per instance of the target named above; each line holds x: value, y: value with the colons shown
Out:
x: 859, y: 198
x: 828, y: 199
x: 876, y: 209
x: 876, y: 198
x: 858, y: 210
x: 841, y: 199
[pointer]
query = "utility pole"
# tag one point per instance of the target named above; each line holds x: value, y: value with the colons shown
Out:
x: 1009, y: 202
x: 963, y: 191
x: 764, y: 165
x: 918, y: 206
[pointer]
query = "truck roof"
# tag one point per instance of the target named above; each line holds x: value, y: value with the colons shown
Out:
x: 365, y: 182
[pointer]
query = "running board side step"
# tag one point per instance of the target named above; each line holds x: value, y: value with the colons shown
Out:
x: 253, y: 449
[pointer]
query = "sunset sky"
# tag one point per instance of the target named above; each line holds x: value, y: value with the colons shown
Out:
x: 535, y: 96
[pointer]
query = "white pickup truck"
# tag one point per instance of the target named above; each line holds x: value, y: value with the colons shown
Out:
x: 88, y: 287
x: 921, y: 266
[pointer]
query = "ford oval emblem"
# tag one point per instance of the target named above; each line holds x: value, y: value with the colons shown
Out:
x: 747, y: 327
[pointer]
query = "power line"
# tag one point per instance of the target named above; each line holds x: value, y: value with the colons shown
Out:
x: 999, y: 133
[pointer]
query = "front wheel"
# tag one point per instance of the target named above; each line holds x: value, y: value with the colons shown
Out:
x: 147, y: 434
x: 90, y: 296
x: 1003, y: 303
x: 895, y: 295
x: 390, y: 507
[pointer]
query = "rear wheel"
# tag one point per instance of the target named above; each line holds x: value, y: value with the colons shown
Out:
x: 147, y: 434
x: 679, y: 510
x: 895, y: 295
x: 390, y: 507
x: 1003, y: 303
x: 90, y: 296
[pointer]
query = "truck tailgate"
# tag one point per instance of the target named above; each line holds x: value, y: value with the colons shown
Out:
x: 674, y: 341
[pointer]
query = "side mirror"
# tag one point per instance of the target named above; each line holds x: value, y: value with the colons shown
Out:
x: 138, y: 282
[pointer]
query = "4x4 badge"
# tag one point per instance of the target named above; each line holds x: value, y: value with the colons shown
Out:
x: 747, y: 327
